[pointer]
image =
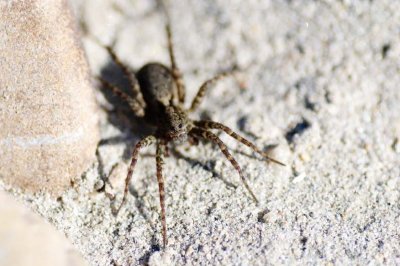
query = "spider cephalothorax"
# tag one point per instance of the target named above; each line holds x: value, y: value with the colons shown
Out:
x: 158, y: 94
x: 177, y: 125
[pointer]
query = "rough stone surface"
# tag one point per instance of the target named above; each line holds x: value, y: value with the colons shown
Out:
x: 322, y: 82
x: 26, y: 239
x: 48, y: 118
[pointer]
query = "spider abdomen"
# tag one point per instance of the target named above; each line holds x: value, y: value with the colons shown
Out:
x: 156, y: 84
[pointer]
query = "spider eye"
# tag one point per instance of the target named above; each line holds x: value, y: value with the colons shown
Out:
x: 180, y: 126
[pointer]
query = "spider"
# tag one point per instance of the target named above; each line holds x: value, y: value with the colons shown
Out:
x: 158, y: 96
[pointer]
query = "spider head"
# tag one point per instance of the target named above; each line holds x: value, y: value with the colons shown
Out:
x: 176, y: 124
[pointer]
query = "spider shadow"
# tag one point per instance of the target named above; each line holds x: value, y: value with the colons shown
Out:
x: 209, y: 167
x: 122, y: 116
x: 268, y: 149
x: 206, y: 166
x: 139, y: 204
x: 132, y: 127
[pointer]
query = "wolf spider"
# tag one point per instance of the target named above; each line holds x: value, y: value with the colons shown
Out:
x: 158, y: 94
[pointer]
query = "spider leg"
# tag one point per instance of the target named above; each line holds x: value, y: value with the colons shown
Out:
x: 142, y: 143
x: 166, y: 150
x: 159, y: 162
x: 230, y: 132
x: 224, y: 149
x: 139, y: 105
x: 176, y: 73
x: 205, y: 86
x: 135, y: 105
x: 193, y: 140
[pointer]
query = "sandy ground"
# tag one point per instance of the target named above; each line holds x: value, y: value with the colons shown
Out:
x: 321, y: 82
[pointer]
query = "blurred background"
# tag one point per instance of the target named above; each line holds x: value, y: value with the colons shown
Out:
x: 27, y: 239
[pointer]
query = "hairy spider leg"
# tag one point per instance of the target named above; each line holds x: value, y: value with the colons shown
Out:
x: 159, y: 163
x: 137, y: 109
x: 230, y: 132
x: 166, y: 150
x: 142, y: 143
x: 139, y: 106
x: 176, y: 73
x: 208, y: 135
x: 193, y: 140
x: 205, y: 87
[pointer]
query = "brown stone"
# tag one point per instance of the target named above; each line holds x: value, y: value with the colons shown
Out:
x: 48, y: 117
x: 26, y: 239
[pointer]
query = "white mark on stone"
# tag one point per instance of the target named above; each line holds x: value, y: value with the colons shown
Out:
x: 39, y: 140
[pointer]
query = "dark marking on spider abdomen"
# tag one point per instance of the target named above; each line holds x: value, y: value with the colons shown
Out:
x: 156, y: 84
